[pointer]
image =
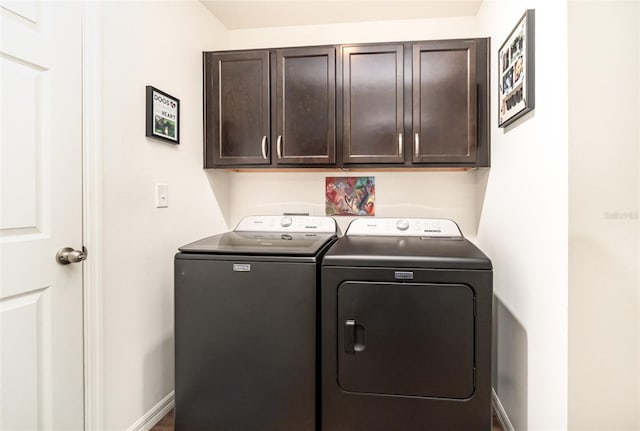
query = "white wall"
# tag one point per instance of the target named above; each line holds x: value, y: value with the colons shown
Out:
x: 421, y: 194
x: 523, y: 220
x: 398, y: 194
x: 604, y: 230
x: 355, y: 32
x: 159, y: 44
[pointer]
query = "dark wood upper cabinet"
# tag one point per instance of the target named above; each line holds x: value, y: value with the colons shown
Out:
x: 373, y: 98
x: 237, y: 120
x: 399, y: 104
x: 305, y: 106
x: 445, y: 102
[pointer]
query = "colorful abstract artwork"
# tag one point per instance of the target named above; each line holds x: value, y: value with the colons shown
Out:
x: 349, y: 196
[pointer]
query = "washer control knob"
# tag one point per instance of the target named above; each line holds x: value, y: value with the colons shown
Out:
x: 402, y: 224
x: 286, y: 221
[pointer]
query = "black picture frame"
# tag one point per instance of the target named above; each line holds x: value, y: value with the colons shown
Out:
x: 516, y: 71
x: 163, y: 116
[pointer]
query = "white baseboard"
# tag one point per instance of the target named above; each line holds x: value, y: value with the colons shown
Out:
x: 160, y: 410
x: 157, y: 412
x: 501, y: 413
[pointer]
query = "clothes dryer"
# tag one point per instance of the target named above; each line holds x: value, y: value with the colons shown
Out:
x: 406, y: 329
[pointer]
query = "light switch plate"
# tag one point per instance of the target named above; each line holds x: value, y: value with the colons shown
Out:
x: 162, y: 195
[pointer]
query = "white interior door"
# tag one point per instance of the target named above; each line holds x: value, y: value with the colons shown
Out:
x: 41, y: 363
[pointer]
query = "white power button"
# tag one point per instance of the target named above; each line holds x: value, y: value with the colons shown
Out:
x: 286, y: 221
x: 402, y: 224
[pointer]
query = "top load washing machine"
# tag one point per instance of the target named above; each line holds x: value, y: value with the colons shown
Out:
x: 406, y: 329
x: 245, y: 326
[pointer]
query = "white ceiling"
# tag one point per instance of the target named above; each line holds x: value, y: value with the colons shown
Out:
x: 238, y: 14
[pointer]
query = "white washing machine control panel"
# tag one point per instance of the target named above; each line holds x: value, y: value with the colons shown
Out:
x: 287, y: 223
x: 421, y: 227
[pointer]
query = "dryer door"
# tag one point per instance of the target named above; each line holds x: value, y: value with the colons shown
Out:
x: 406, y: 339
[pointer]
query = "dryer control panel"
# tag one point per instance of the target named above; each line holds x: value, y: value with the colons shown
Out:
x: 420, y: 227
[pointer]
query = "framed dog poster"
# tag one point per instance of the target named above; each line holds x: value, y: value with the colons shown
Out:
x: 163, y: 116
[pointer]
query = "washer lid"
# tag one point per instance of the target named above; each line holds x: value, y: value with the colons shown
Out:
x: 270, y: 235
x: 260, y: 243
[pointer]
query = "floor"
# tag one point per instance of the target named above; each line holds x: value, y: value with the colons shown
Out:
x: 166, y: 424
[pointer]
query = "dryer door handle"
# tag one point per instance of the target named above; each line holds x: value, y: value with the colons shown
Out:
x: 353, y: 337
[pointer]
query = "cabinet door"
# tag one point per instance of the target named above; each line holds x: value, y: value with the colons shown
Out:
x: 237, y: 121
x: 373, y: 104
x: 305, y: 106
x: 444, y: 102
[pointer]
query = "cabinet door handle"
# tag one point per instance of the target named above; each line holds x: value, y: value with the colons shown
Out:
x: 279, y: 146
x: 416, y: 144
x: 400, y: 146
x: 264, y: 147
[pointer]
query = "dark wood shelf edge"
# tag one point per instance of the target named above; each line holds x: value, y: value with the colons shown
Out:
x: 359, y: 169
